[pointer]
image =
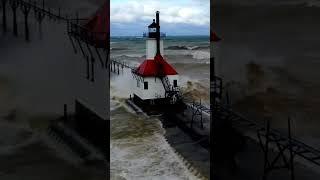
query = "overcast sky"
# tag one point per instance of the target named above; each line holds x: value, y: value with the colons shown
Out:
x: 267, y: 2
x: 177, y: 17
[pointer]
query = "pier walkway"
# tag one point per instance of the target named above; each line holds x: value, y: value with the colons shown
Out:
x: 272, y: 135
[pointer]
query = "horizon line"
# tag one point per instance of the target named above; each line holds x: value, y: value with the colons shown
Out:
x: 166, y: 36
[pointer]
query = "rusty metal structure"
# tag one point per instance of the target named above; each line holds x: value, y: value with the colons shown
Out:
x: 91, y: 45
x: 59, y: 129
x: 287, y: 148
x: 284, y: 145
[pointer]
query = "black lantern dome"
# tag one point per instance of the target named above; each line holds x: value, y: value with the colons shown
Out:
x: 152, y: 29
x: 153, y: 25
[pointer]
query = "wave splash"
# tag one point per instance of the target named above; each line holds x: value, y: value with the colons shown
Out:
x: 187, y: 47
x: 138, y: 148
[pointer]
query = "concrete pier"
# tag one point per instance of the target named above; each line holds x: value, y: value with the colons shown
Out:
x: 192, y: 143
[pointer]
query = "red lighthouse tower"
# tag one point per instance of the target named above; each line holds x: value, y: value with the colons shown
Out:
x: 155, y: 80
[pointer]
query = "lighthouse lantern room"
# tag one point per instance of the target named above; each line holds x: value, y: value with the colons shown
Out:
x: 155, y: 80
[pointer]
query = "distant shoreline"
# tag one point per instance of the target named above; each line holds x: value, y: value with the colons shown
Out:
x: 133, y: 36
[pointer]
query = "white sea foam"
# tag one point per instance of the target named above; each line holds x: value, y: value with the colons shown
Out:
x: 14, y: 137
x: 138, y: 148
x: 201, y: 54
x: 143, y: 154
x: 146, y: 158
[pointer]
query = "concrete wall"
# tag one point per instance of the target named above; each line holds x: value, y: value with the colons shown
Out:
x: 174, y: 77
x: 155, y: 87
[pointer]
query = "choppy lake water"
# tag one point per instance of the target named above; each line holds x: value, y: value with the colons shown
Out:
x: 139, y: 149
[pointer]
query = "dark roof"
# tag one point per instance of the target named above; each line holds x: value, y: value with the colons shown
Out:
x: 153, y: 24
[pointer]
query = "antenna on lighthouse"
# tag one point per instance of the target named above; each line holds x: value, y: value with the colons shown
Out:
x: 158, y: 32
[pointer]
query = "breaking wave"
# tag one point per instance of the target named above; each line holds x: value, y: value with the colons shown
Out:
x: 14, y: 137
x: 200, y: 55
x: 187, y: 47
x: 127, y: 57
x: 192, y: 67
x: 195, y: 90
x: 138, y: 148
x: 182, y: 55
x: 117, y: 49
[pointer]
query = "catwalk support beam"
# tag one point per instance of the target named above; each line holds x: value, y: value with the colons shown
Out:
x: 88, y: 67
x: 4, y: 15
x: 39, y: 15
x: 92, y: 69
x: 92, y: 61
x: 14, y: 6
x: 284, y: 149
x: 197, y: 110
x: 26, y: 10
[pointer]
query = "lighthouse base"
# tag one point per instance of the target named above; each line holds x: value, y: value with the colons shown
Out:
x: 157, y: 106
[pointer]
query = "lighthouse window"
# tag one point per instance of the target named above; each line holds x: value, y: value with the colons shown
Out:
x: 175, y: 83
x: 145, y: 85
x: 152, y: 29
x: 138, y: 84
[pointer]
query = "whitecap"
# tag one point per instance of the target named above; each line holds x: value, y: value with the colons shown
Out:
x: 200, y: 55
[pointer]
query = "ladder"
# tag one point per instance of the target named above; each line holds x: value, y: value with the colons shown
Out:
x: 166, y: 83
x: 172, y: 93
